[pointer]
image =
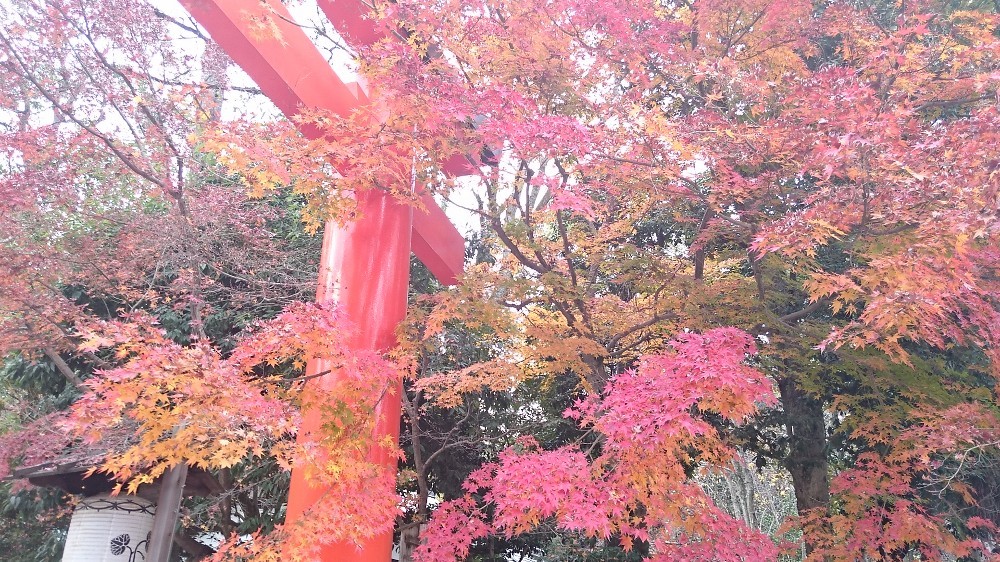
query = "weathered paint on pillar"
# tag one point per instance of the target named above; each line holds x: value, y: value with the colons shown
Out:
x: 365, y: 266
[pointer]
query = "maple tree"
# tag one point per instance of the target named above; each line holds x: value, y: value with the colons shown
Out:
x: 112, y: 212
x: 810, y: 225
x: 704, y: 226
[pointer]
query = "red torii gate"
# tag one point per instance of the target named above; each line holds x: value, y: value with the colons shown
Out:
x: 364, y: 265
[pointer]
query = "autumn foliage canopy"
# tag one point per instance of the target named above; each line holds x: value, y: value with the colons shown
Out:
x: 703, y: 232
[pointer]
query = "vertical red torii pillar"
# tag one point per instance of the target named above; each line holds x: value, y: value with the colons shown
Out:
x: 365, y: 265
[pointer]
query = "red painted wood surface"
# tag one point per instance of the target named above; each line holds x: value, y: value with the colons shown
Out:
x: 292, y: 72
x: 350, y: 19
x: 365, y: 266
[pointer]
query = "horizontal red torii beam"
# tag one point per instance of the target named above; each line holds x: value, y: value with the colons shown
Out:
x: 365, y: 265
x: 292, y: 72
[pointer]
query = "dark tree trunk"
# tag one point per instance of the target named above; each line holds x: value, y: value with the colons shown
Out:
x: 807, y: 448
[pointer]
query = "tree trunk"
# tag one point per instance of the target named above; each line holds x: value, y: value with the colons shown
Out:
x: 807, y: 449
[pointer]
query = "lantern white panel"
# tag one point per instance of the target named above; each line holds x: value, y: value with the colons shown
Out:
x: 109, y: 529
